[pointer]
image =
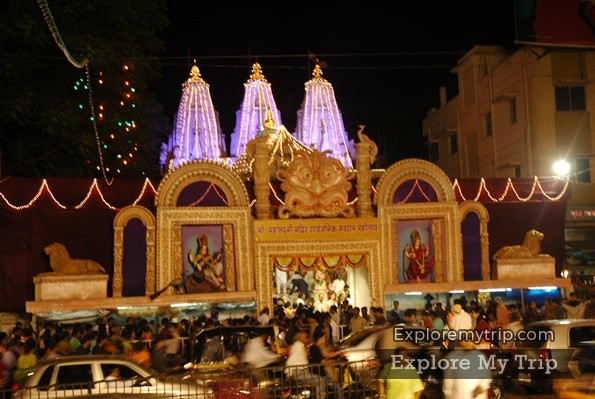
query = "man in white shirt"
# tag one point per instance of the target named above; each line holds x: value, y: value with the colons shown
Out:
x: 337, y: 286
x: 320, y: 304
x: 280, y: 281
x: 258, y: 355
x: 172, y: 340
x: 460, y: 320
x: 468, y: 378
x: 335, y: 323
x: 264, y: 317
x: 574, y: 307
x: 296, y: 365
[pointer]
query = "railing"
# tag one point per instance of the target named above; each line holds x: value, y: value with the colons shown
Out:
x: 353, y: 380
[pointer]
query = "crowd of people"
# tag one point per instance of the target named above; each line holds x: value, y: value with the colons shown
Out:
x: 159, y: 348
x: 308, y: 335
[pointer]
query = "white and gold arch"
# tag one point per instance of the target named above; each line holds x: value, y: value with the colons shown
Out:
x: 441, y: 215
x: 234, y: 219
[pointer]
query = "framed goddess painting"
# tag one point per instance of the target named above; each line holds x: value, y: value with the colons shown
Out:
x: 203, y: 259
x: 416, y: 251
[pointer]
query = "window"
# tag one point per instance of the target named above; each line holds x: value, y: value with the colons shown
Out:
x: 46, y: 379
x: 77, y: 376
x: 125, y: 371
x: 434, y: 151
x: 513, y: 115
x: 581, y: 171
x: 453, y: 144
x: 581, y: 334
x: 570, y: 98
x: 488, y: 122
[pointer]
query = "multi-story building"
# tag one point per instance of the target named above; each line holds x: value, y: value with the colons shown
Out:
x: 516, y: 115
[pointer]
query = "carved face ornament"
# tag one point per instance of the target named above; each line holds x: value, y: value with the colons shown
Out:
x: 315, y: 185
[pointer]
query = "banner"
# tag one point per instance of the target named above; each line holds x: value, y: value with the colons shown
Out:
x: 312, y: 229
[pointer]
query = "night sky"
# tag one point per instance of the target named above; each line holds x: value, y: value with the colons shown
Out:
x: 386, y: 66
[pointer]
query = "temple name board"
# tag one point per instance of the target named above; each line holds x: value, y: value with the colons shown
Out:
x: 580, y: 213
x: 308, y: 229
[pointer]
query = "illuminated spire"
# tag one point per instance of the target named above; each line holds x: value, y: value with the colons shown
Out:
x: 197, y: 132
x: 194, y: 76
x: 257, y: 73
x: 319, y: 120
x: 258, y: 108
x: 317, y: 74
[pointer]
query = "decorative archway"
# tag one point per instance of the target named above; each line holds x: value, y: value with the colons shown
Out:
x: 174, y: 183
x: 439, y: 220
x: 466, y: 208
x: 411, y: 169
x: 233, y: 219
x: 120, y: 221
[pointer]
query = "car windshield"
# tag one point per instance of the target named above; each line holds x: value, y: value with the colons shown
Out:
x: 217, y: 344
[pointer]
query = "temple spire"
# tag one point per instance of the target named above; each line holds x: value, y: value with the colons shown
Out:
x: 257, y: 113
x: 257, y: 73
x: 195, y: 75
x: 320, y: 123
x: 197, y: 132
x: 317, y: 74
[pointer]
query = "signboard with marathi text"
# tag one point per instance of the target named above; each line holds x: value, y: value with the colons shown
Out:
x: 580, y: 213
x: 313, y: 229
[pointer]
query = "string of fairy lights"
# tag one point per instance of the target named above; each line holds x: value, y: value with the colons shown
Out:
x: 148, y: 189
x: 87, y: 84
x: 45, y: 187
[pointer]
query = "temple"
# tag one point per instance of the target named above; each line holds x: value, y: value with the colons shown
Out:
x: 234, y: 233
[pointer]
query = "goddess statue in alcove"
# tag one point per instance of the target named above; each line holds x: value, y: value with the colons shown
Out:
x: 418, y: 260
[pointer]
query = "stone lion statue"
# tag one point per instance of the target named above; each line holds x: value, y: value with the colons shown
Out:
x: 530, y: 247
x: 62, y: 263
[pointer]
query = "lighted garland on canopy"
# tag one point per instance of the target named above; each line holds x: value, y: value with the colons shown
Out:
x: 328, y: 262
x: 536, y: 189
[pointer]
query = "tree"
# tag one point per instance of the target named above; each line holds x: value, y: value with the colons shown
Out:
x: 60, y: 120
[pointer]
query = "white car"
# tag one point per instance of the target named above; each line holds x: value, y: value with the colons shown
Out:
x: 70, y: 376
x: 543, y: 351
x: 380, y: 342
x: 368, y: 349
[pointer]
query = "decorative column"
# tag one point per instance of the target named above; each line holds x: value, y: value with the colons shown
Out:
x: 262, y: 178
x: 365, y: 155
x: 117, y: 280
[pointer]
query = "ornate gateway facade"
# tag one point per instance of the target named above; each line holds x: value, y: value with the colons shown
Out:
x: 284, y: 212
